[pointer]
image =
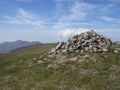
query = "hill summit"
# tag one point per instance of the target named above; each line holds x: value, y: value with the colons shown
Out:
x: 33, y: 68
x: 86, y: 41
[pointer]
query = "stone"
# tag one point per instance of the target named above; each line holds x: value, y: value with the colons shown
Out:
x: 59, y: 45
x: 64, y: 50
x: 41, y: 56
x: 76, y: 51
x: 73, y: 59
x: 54, y: 66
x: 34, y: 58
x: 39, y: 62
x: 104, y: 50
x: 115, y: 51
x: 45, y: 59
x: 21, y: 60
x: 81, y: 52
x: 52, y: 50
x: 99, y: 50
x: 86, y: 48
x: 95, y: 49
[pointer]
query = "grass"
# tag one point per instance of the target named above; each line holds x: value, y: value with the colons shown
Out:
x: 19, y: 70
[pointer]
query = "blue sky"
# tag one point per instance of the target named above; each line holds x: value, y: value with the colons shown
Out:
x: 57, y: 20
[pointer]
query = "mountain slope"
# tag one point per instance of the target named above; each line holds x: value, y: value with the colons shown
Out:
x: 9, y: 46
x: 32, y: 68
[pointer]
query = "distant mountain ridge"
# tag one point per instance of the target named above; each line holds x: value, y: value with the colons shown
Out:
x: 9, y: 46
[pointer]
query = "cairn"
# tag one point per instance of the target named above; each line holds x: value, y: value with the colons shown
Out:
x: 86, y: 41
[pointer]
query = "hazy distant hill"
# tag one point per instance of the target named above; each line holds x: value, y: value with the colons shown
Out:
x: 9, y: 46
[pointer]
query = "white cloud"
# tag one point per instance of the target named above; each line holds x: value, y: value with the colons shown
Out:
x: 71, y: 14
x: 25, y: 17
x: 24, y: 0
x: 22, y: 13
x: 67, y: 33
x: 59, y: 1
x: 64, y: 35
x: 108, y: 19
x: 115, y: 1
x: 106, y: 8
x: 112, y: 33
x: 76, y: 11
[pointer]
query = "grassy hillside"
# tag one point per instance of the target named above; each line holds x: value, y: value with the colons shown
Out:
x: 30, y: 69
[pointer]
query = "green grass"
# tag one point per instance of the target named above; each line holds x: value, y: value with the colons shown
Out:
x: 20, y: 71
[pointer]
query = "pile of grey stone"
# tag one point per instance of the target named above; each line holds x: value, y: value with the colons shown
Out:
x: 86, y: 41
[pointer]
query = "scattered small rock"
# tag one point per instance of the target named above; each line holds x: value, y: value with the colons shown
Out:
x: 115, y: 51
x: 34, y: 58
x: 45, y: 59
x: 21, y: 60
x: 41, y: 56
x: 39, y: 62
x: 104, y: 50
x: 74, y: 59
x: 54, y: 66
